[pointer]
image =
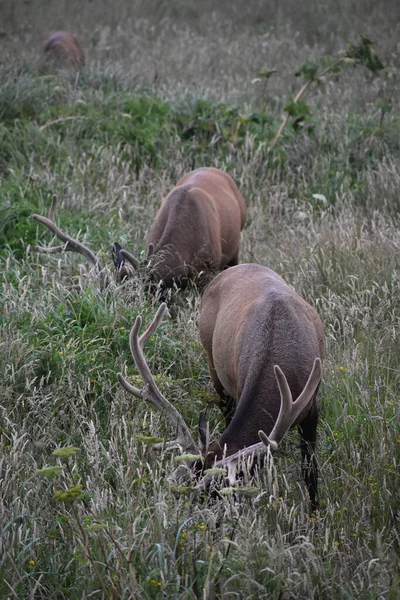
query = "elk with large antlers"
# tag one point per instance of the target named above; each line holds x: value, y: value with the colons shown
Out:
x: 196, y: 231
x: 264, y: 345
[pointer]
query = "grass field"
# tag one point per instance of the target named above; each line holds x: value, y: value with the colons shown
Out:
x: 168, y: 87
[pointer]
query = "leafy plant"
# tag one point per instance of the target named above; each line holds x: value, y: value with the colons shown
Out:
x: 360, y: 54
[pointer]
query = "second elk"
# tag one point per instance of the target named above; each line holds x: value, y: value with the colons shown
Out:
x: 264, y: 345
x: 196, y: 230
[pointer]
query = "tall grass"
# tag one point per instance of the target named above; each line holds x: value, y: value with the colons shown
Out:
x: 169, y: 87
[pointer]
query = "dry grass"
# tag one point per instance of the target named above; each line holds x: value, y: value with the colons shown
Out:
x: 322, y: 211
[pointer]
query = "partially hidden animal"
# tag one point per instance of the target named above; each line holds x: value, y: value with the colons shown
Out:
x: 265, y: 346
x: 195, y: 231
x: 63, y: 49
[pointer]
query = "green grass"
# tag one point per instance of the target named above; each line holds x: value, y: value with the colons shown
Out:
x: 162, y: 93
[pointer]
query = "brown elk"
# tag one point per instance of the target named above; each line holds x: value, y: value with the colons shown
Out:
x: 63, y: 49
x: 264, y: 345
x: 196, y: 230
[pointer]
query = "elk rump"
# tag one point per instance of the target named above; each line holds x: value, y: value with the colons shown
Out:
x: 63, y: 50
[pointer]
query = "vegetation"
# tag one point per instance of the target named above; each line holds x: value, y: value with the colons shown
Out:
x: 86, y: 508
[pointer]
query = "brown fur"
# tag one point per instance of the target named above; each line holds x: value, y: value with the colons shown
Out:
x: 251, y: 320
x: 197, y: 227
x: 63, y: 48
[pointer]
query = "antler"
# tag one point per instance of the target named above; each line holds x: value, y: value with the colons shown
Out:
x: 150, y: 250
x: 120, y: 256
x: 70, y: 245
x: 150, y: 391
x: 131, y: 259
x: 290, y: 410
x: 288, y: 413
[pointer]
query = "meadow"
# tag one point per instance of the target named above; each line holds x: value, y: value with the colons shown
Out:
x: 86, y: 508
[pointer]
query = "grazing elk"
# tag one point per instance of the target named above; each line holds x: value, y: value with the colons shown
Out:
x: 63, y: 49
x: 264, y: 345
x: 196, y: 230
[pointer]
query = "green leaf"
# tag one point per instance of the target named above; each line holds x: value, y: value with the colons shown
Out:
x: 228, y: 491
x: 308, y: 71
x: 267, y: 73
x: 181, y: 489
x: 215, y: 471
x: 149, y: 439
x: 65, y: 452
x: 96, y: 527
x: 50, y: 471
x: 187, y: 458
x: 248, y: 490
x: 74, y: 492
x: 362, y: 53
x: 53, y: 534
x: 385, y: 107
x: 297, y: 109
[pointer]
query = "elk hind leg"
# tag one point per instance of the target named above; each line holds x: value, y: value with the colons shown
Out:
x: 308, y: 435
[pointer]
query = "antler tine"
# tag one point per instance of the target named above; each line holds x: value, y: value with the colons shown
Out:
x: 290, y: 410
x: 131, y: 259
x: 150, y: 250
x: 288, y: 414
x: 70, y: 245
x: 52, y: 210
x: 153, y: 325
x: 231, y: 462
x: 150, y: 391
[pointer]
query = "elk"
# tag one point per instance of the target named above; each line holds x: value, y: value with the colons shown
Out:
x: 264, y: 346
x: 62, y: 48
x: 196, y: 231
